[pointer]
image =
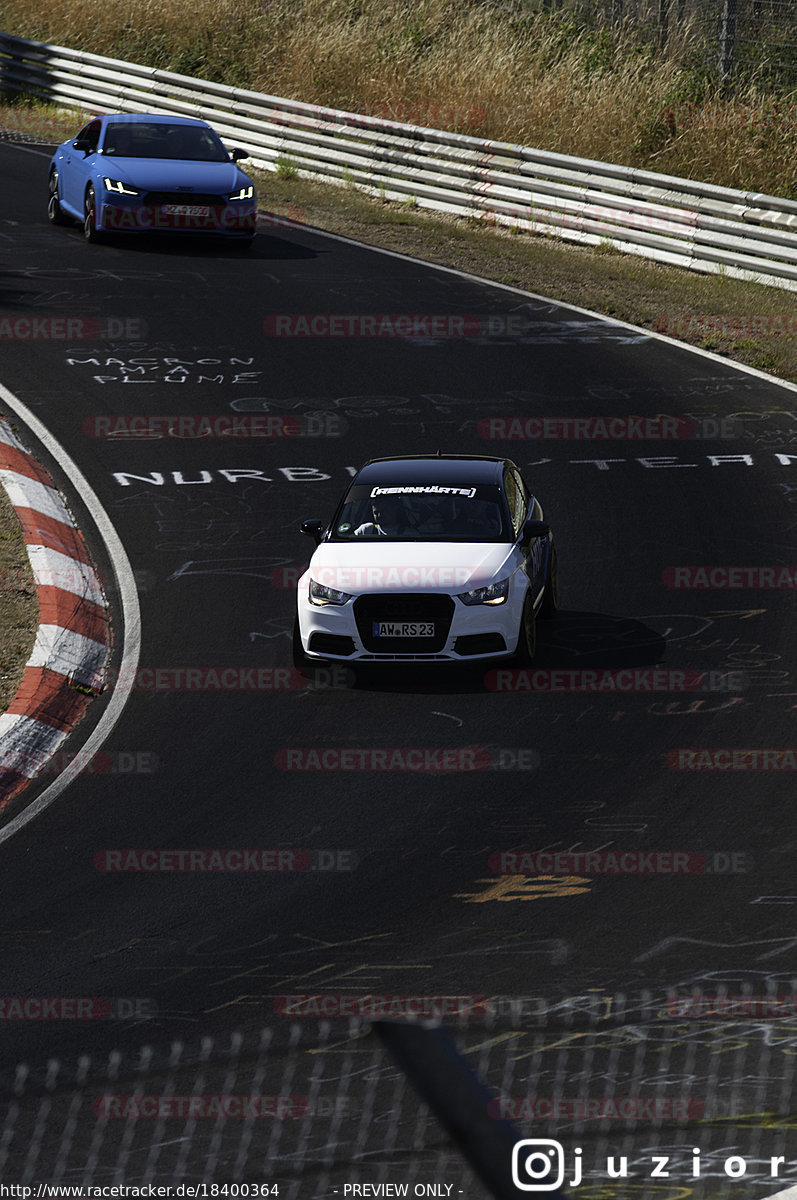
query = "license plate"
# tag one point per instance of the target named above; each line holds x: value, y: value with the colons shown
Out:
x: 399, y: 629
x: 187, y: 210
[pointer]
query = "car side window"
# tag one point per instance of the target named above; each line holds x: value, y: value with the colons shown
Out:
x: 523, y: 491
x: 91, y: 135
x: 514, y: 500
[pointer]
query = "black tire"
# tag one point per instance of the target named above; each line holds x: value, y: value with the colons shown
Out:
x: 527, y: 636
x: 55, y: 214
x: 90, y: 217
x: 550, y: 598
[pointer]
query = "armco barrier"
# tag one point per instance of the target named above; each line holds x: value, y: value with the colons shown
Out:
x: 700, y: 226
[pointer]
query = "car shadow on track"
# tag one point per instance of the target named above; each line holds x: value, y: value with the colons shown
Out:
x: 574, y: 641
x: 265, y: 246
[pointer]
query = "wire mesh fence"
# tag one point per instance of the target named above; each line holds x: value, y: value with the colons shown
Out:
x: 740, y: 37
x: 701, y: 1078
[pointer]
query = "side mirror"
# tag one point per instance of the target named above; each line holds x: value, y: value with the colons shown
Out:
x: 313, y: 528
x: 238, y: 153
x: 535, y: 529
x: 81, y: 144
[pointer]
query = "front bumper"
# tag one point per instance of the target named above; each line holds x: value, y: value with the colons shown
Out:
x: 462, y: 633
x: 229, y: 220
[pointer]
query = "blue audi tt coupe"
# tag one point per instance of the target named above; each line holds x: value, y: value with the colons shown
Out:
x: 143, y: 173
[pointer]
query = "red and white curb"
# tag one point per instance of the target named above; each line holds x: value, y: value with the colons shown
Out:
x: 73, y: 641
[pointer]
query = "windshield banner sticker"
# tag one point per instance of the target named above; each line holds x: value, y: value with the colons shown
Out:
x: 426, y: 489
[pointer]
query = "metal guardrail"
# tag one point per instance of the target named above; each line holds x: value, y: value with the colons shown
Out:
x: 700, y: 226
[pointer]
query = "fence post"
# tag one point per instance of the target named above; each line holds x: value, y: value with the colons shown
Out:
x: 727, y: 40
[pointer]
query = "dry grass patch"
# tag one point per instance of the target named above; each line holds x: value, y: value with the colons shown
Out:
x: 48, y: 124
x: 503, y: 72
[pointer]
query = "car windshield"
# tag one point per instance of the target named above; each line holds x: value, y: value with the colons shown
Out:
x: 429, y: 512
x: 161, y: 139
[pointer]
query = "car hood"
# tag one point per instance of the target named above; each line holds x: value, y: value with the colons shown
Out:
x: 168, y: 174
x: 372, y: 566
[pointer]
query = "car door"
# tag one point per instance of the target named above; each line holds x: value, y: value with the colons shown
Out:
x: 80, y: 165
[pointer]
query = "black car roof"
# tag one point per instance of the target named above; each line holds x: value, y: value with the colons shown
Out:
x: 148, y: 118
x: 432, y: 468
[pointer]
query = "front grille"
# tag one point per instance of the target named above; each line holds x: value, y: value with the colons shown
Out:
x: 331, y: 643
x: 480, y: 643
x: 182, y: 198
x: 380, y: 607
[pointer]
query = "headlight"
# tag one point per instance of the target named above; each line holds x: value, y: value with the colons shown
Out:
x: 244, y: 193
x: 119, y: 188
x: 495, y: 593
x: 321, y: 594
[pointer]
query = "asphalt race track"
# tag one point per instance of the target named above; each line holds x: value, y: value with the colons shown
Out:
x: 395, y: 889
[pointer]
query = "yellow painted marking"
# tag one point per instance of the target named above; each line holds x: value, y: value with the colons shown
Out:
x: 244, y: 998
x: 526, y: 887
x: 496, y: 1041
x: 363, y: 973
x: 357, y: 1035
x: 325, y: 945
x: 620, y: 1188
x: 744, y: 614
x: 762, y: 1120
x: 608, y: 1040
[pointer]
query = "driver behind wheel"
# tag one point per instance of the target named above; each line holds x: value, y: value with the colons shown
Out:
x: 389, y: 519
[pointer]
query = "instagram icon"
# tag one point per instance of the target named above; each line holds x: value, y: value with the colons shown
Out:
x: 538, y: 1165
